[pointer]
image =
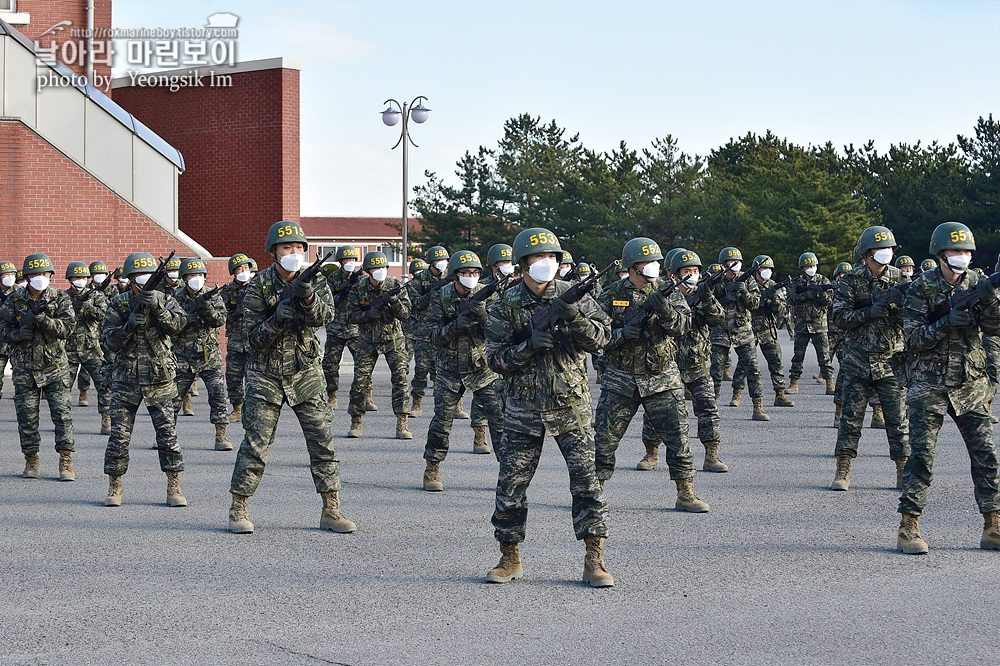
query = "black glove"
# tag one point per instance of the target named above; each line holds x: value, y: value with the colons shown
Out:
x: 959, y: 318
x: 704, y: 291
x: 878, y: 310
x: 27, y: 319
x: 465, y: 320
x: 659, y: 302
x: 897, y: 298
x: 302, y: 289
x: 478, y: 309
x: 987, y: 292
x: 742, y: 287
x: 24, y: 333
x: 135, y: 320
x: 150, y: 300
x: 564, y: 310
x: 542, y: 339
x: 631, y: 332
x: 285, y: 310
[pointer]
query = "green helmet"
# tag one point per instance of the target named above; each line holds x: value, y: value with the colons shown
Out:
x: 20, y: 275
x: 583, y: 269
x: 567, y: 258
x: 436, y: 253
x: 375, y: 260
x: 345, y: 252
x: 639, y: 249
x: 903, y: 260
x: 38, y: 262
x: 729, y: 254
x: 499, y: 252
x: 842, y: 268
x: 236, y: 261
x: 7, y: 267
x: 285, y: 232
x: 174, y: 264
x: 684, y: 258
x: 77, y: 269
x: 807, y: 259
x: 927, y: 264
x: 417, y: 265
x: 463, y: 259
x: 764, y: 261
x: 714, y: 268
x: 192, y: 266
x: 139, y: 262
x: 253, y: 265
x: 951, y: 236
x: 98, y: 267
x: 874, y: 238
x: 536, y: 241
x: 670, y: 255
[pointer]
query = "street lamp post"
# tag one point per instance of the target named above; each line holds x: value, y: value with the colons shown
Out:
x: 418, y: 112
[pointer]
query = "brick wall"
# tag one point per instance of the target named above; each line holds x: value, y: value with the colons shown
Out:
x: 46, y: 13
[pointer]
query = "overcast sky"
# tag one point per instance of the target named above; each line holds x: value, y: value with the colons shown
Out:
x: 704, y: 71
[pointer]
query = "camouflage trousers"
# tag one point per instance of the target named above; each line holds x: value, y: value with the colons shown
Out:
x: 479, y: 415
x: 88, y: 369
x: 27, y: 401
x: 991, y: 345
x: 855, y: 395
x: 332, y: 355
x: 977, y: 431
x: 772, y: 354
x: 236, y: 372
x: 822, y: 347
x: 364, y: 364
x: 423, y: 365
x: 215, y: 384
x: 82, y: 378
x: 4, y: 359
x: 666, y: 412
x: 448, y: 391
x: 125, y: 400
x: 260, y: 420
x: 520, y: 450
x: 747, y: 363
x: 705, y: 408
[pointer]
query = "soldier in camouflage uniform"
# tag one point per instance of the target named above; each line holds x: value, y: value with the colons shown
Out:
x: 99, y: 276
x: 906, y: 267
x: 947, y: 375
x: 811, y: 301
x: 35, y: 322
x: 138, y: 328
x: 836, y: 338
x: 377, y: 305
x: 461, y: 363
x: 83, y: 346
x: 872, y: 325
x: 547, y: 392
x: 339, y: 332
x: 566, y: 267
x: 284, y: 366
x: 416, y: 266
x: 418, y: 293
x: 8, y: 273
x: 991, y: 344
x: 739, y: 296
x: 237, y: 348
x: 196, y: 347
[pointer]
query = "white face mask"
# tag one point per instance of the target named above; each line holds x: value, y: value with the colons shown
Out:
x: 252, y: 274
x: 907, y: 271
x: 379, y: 274
x: 350, y: 266
x: 765, y: 274
x: 651, y: 270
x: 957, y: 264
x: 543, y: 270
x: 21, y: 283
x: 506, y: 269
x: 173, y: 275
x: 440, y: 266
x: 563, y: 271
x: 883, y: 256
x: 293, y: 262
x: 468, y: 282
x: 79, y: 283
x: 99, y: 278
x: 140, y: 279
x: 811, y: 271
x: 7, y: 280
x: 736, y: 267
x: 39, y: 282
x: 196, y: 282
x: 243, y: 277
x: 691, y: 281
x: 123, y: 282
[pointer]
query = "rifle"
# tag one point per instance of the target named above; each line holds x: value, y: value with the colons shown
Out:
x: 465, y: 305
x: 882, y: 296
x: 965, y: 299
x: 747, y: 274
x: 770, y: 291
x: 545, y: 319
x: 79, y: 300
x: 639, y: 315
x: 345, y: 288
x: 384, y: 297
x: 154, y: 280
x: 307, y: 274
x: 803, y: 288
x: 103, y: 287
x: 202, y: 298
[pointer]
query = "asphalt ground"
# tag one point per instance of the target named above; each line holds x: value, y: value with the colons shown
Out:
x: 781, y: 571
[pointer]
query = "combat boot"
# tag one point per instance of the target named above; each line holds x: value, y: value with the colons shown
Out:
x: 332, y: 396
x: 878, y: 417
x: 479, y: 444
x: 737, y: 396
x: 115, y: 491
x: 651, y: 460
x: 417, y: 405
x: 758, y: 410
x: 174, y: 496
x: 194, y: 389
x: 991, y: 532
x: 712, y: 461
x: 332, y: 519
x: 900, y: 465
x: 989, y: 408
x: 432, y: 477
x: 687, y: 394
x: 355, y: 430
x: 838, y: 411
x: 509, y: 567
x: 236, y: 415
x: 909, y: 540
x: 32, y: 466
x: 842, y: 481
x: 66, y: 466
x: 105, y: 423
x: 780, y: 400
x: 726, y: 375
x: 595, y: 573
x: 686, y: 499
x: 370, y: 405
x: 831, y: 386
x: 84, y: 399
x: 460, y: 412
x: 187, y: 409
x: 819, y: 378
x: 221, y: 443
x: 402, y: 427
x: 793, y: 386
x: 239, y: 515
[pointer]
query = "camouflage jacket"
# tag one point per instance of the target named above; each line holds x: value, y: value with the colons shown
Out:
x: 84, y: 342
x: 810, y: 306
x: 340, y: 286
x: 143, y: 355
x: 945, y: 366
x: 868, y: 344
x: 647, y: 365
x: 232, y: 297
x: 771, y: 310
x: 168, y: 288
x: 546, y: 379
x: 39, y: 349
x: 197, y: 345
x: 694, y: 347
x: 418, y: 290
x: 4, y: 295
x: 462, y: 350
x: 382, y: 327
x: 738, y: 301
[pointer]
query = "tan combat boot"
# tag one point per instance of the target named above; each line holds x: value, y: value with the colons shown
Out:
x: 239, y: 515
x: 687, y: 394
x: 686, y: 499
x: 187, y: 409
x: 737, y: 396
x: 417, y: 405
x: 509, y: 567
x: 878, y: 417
x: 726, y: 375
x: 758, y: 410
x: 989, y: 408
x: 332, y: 519
x: 432, y: 477
x: 831, y: 386
x: 900, y: 465
x: 991, y: 532
x: 595, y: 573
x: 84, y: 399
x: 221, y: 443
x: 819, y: 378
x: 402, y: 427
x: 32, y: 466
x: 355, y: 430
x: 712, y: 461
x: 66, y: 466
x: 236, y: 415
x: 194, y: 389
x: 652, y: 458
x: 332, y: 397
x: 460, y: 412
x: 793, y: 386
x: 842, y: 481
x: 780, y: 400
x: 115, y: 491
x: 174, y: 496
x: 370, y: 405
x: 838, y: 411
x: 909, y: 540
x: 479, y: 444
x: 105, y: 423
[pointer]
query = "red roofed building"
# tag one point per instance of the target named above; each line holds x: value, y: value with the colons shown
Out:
x: 365, y: 233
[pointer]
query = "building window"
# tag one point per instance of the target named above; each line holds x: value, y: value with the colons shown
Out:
x: 392, y: 253
x: 7, y: 6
